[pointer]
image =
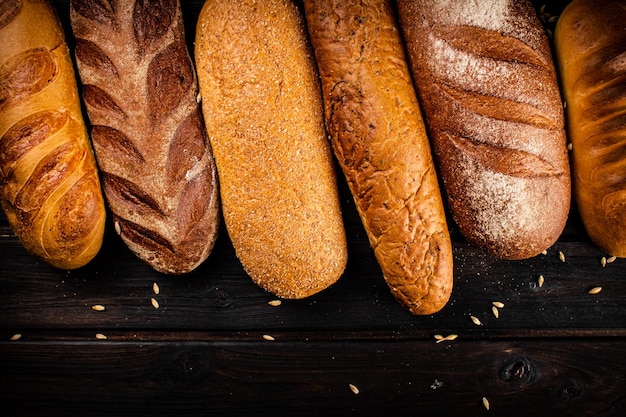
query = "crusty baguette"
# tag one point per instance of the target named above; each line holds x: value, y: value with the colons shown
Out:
x: 488, y: 88
x: 49, y: 185
x: 590, y: 43
x: 140, y: 92
x: 262, y: 107
x: 379, y: 138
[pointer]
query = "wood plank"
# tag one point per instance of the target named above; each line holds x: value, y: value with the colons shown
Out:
x: 220, y: 296
x: 291, y: 376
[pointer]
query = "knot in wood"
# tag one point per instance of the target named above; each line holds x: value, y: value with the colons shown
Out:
x: 221, y: 298
x: 571, y: 390
x: 517, y: 370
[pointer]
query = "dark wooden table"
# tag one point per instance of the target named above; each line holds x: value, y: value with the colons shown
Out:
x: 555, y: 350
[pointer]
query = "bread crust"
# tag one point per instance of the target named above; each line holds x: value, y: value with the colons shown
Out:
x: 49, y: 185
x: 263, y: 111
x: 489, y: 92
x: 590, y: 43
x: 379, y: 138
x: 140, y: 91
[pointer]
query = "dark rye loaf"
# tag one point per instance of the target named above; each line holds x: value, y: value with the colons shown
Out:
x: 140, y: 91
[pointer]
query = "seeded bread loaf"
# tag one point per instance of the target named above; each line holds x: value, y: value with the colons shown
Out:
x: 49, y: 185
x: 155, y: 158
x: 380, y: 141
x: 491, y: 101
x: 590, y: 42
x: 262, y: 107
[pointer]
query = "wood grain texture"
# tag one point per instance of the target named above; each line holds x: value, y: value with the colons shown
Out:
x: 554, y: 351
x: 285, y: 377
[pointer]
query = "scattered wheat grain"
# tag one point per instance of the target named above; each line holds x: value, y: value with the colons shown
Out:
x: 98, y: 307
x: 439, y: 338
x: 16, y: 336
x: 475, y: 320
x: 100, y: 336
x: 274, y: 303
x: 540, y: 281
x: 595, y: 290
x: 498, y: 304
x: 268, y: 337
x: 451, y: 337
x: 154, y: 302
x: 354, y: 389
x: 155, y: 288
x: 495, y: 311
x: 486, y: 403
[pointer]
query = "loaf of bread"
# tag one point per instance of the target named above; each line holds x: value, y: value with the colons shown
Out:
x: 262, y: 107
x: 49, y: 185
x: 590, y: 45
x: 140, y: 91
x: 488, y: 88
x: 379, y: 138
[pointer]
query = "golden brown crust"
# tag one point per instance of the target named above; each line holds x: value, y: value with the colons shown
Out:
x: 380, y: 141
x: 140, y: 91
x: 50, y: 188
x: 590, y: 42
x: 263, y: 112
x: 490, y: 97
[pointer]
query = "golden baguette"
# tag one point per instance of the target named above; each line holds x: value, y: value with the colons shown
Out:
x: 379, y: 138
x: 49, y: 183
x: 590, y: 42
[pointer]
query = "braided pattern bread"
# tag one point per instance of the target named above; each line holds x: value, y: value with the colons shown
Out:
x: 140, y: 91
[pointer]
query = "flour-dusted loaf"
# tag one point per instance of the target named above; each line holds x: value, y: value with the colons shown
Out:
x: 140, y: 91
x: 262, y: 107
x: 49, y: 185
x: 590, y: 44
x: 488, y: 88
x: 378, y: 135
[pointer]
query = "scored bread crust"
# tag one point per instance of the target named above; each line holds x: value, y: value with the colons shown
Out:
x: 380, y: 141
x: 488, y: 88
x: 590, y: 43
x: 49, y: 185
x: 140, y: 91
x: 263, y: 112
